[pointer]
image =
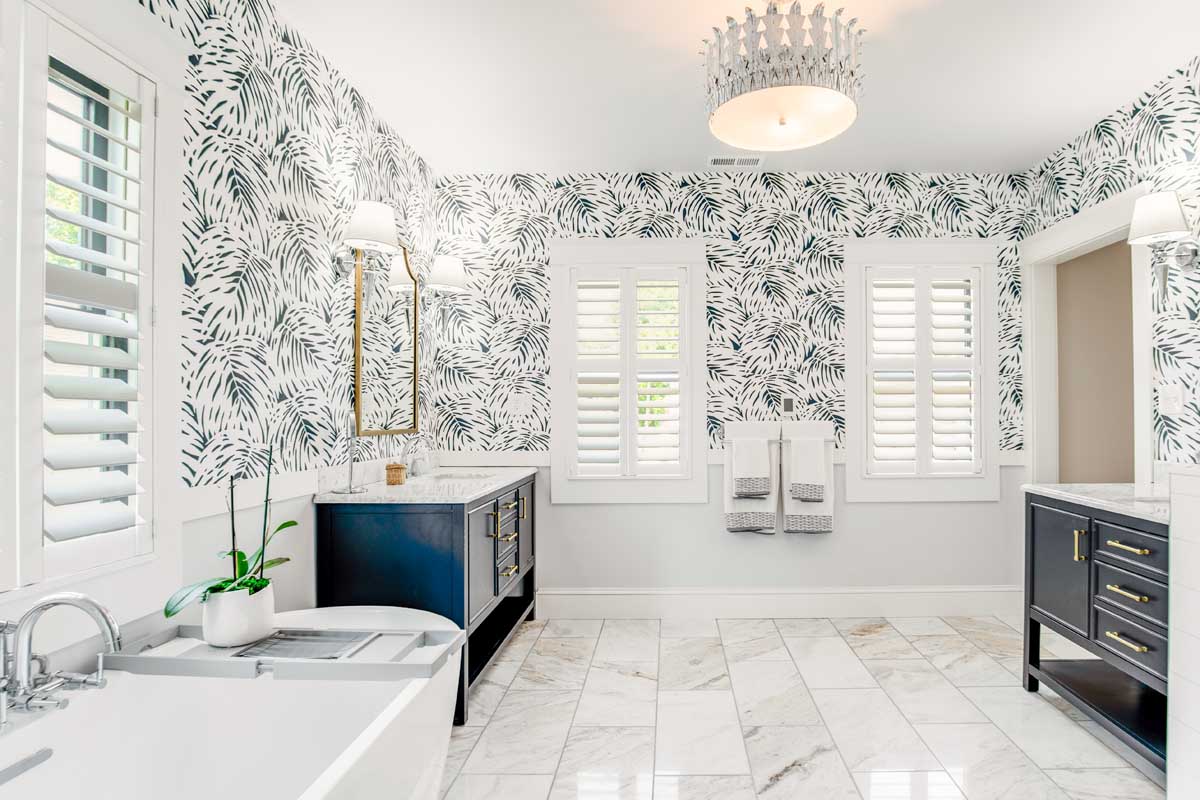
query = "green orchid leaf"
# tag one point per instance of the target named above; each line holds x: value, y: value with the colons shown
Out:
x: 188, y: 595
x: 275, y: 562
x: 258, y: 554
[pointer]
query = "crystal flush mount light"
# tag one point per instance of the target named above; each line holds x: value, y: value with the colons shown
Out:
x: 783, y: 81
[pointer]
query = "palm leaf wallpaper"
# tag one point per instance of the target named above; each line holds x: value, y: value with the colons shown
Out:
x: 279, y: 148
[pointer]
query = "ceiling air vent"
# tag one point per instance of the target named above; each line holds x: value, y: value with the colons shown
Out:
x: 735, y: 162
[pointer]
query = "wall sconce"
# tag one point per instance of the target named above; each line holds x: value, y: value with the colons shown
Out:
x: 448, y: 276
x: 370, y: 241
x: 1160, y: 223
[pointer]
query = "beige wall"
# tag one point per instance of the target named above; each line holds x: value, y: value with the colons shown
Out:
x: 1095, y: 368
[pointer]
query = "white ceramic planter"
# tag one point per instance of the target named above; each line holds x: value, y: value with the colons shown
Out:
x: 236, y: 618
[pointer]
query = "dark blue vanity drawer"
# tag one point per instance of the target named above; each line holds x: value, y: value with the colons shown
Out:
x: 1136, y: 594
x: 1139, y: 551
x: 1133, y: 641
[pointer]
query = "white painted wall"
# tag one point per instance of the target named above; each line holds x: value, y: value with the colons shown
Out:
x: 1183, y: 674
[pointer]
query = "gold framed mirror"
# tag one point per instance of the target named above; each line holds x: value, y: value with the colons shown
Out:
x: 386, y: 335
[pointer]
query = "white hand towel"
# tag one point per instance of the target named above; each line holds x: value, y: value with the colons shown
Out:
x: 807, y: 516
x: 751, y: 467
x: 756, y: 514
x: 807, y: 464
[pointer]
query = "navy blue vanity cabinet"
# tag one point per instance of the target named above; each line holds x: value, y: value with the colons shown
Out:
x: 1099, y: 579
x: 470, y: 562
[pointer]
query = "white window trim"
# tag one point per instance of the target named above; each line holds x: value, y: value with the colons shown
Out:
x: 862, y: 487
x: 566, y: 254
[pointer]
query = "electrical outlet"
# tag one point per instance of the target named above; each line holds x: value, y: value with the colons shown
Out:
x: 1170, y: 399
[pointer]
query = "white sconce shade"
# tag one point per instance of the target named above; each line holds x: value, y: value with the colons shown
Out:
x: 1158, y: 218
x: 449, y: 275
x: 372, y: 227
x: 399, y: 277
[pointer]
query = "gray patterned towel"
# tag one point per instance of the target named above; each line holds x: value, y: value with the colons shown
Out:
x: 808, y: 523
x: 754, y: 521
x: 808, y: 492
x: 751, y: 487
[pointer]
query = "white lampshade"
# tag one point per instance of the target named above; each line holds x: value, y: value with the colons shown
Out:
x: 783, y: 118
x: 372, y: 227
x: 449, y: 275
x: 399, y: 279
x: 1158, y: 218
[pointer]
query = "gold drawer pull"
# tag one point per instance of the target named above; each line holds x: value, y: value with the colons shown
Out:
x: 522, y: 514
x: 1137, y: 551
x: 509, y: 506
x: 1079, y: 556
x: 495, y: 534
x: 512, y: 537
x: 508, y: 573
x: 1116, y: 637
x: 1137, y: 598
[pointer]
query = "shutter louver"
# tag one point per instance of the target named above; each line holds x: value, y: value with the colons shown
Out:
x: 658, y: 375
x: 893, y: 389
x: 93, y: 304
x: 952, y: 377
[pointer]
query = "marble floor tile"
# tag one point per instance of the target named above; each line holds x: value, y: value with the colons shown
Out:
x: 555, y: 664
x: 752, y: 640
x: 521, y: 643
x: 986, y: 765
x: 1060, y: 646
x: 462, y: 739
x: 921, y: 626
x: 703, y: 787
x: 699, y: 734
x: 500, y: 787
x: 772, y: 693
x: 488, y: 691
x: 990, y: 635
x: 922, y: 693
x: 571, y: 628
x: 907, y: 786
x: 689, y: 628
x: 870, y: 732
x: 805, y: 627
x: 797, y: 762
x: 606, y: 764
x: 1124, y: 751
x: 963, y: 663
x: 619, y: 693
x: 628, y: 640
x: 539, y: 721
x: 692, y: 664
x: 827, y: 662
x: 874, y: 638
x: 1048, y: 737
x: 1047, y: 694
x: 1105, y: 784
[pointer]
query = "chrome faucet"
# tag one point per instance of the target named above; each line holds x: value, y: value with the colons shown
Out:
x: 23, y: 657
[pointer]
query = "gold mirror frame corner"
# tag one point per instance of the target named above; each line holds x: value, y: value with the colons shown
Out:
x: 416, y: 336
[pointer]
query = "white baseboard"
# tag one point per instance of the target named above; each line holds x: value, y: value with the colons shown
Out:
x: 851, y: 601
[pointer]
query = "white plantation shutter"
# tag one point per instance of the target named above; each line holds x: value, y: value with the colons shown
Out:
x: 93, y: 473
x: 922, y: 363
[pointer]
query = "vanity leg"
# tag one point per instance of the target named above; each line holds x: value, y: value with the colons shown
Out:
x: 1033, y: 651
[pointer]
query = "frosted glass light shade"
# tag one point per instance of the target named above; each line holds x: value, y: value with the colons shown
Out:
x: 399, y: 278
x: 783, y: 118
x: 449, y: 275
x: 372, y: 227
x: 1158, y: 218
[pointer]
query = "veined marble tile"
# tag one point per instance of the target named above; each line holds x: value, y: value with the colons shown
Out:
x: 990, y: 635
x: 500, y: 787
x: 1106, y: 784
x: 1060, y: 646
x: 538, y: 721
x: 986, y: 765
x: 628, y: 640
x: 488, y: 691
x: 1143, y: 766
x: 907, y: 786
x: 462, y: 739
x: 699, y: 734
x: 805, y: 627
x: 922, y: 693
x: 962, y: 662
x: 1046, y: 735
x: 555, y: 664
x: 692, y: 664
x: 606, y: 764
x: 619, y: 693
x: 703, y: 787
x: 521, y: 643
x: 797, y: 762
x: 772, y: 693
x: 571, y: 628
x: 752, y: 640
x: 827, y: 662
x: 921, y: 626
x: 1061, y: 704
x: 693, y: 628
x: 871, y: 733
x: 874, y: 637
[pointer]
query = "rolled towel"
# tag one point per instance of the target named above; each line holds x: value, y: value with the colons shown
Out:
x: 806, y: 462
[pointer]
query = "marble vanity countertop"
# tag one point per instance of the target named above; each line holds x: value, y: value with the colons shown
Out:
x: 1116, y: 497
x: 442, y: 485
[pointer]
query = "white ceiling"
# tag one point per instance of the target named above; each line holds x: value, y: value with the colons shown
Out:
x: 616, y: 85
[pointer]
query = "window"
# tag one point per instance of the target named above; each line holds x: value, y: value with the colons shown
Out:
x: 627, y: 371
x: 85, y: 481
x: 921, y: 392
